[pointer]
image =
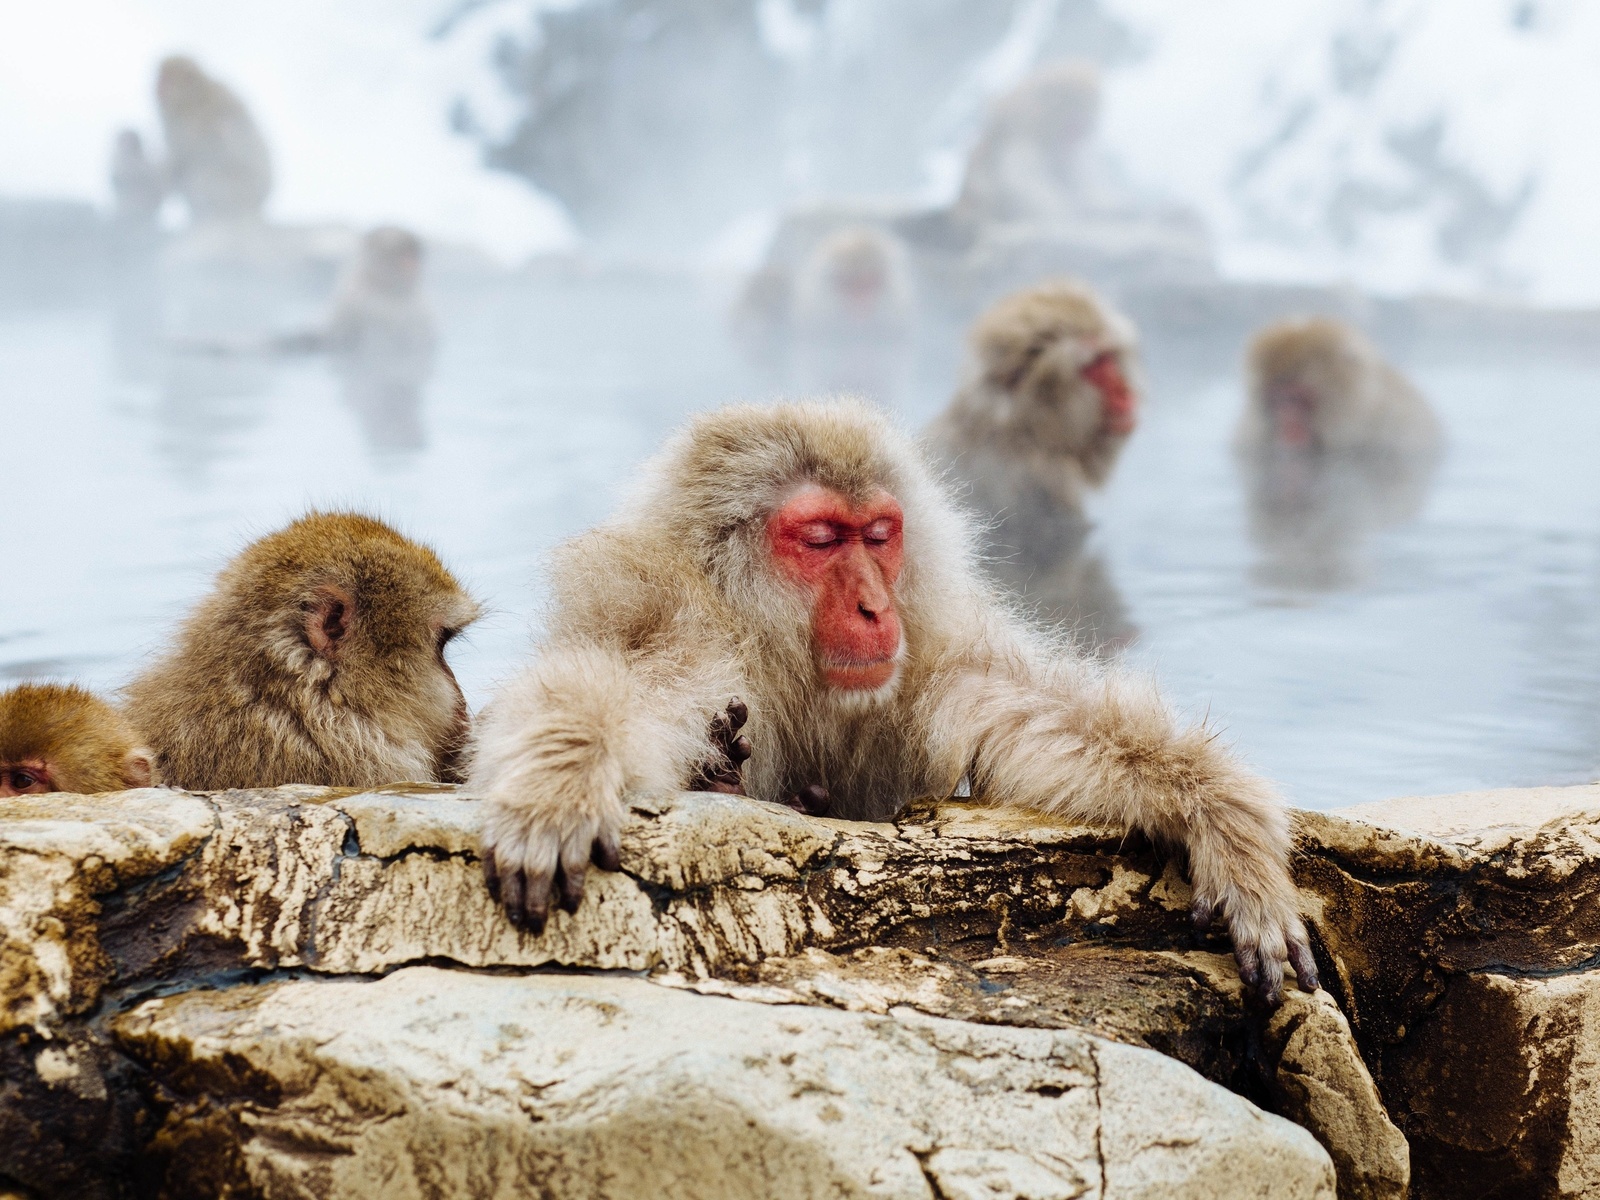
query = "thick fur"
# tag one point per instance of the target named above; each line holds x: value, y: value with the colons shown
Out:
x: 1360, y: 402
x: 87, y: 744
x: 661, y: 615
x: 1027, y: 422
x: 244, y: 700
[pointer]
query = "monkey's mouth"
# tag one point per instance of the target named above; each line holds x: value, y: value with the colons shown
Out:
x: 861, y: 676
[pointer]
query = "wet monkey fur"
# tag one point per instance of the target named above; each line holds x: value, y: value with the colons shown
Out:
x: 318, y: 657
x: 802, y: 557
x: 1052, y: 400
x: 1317, y: 386
x: 60, y: 738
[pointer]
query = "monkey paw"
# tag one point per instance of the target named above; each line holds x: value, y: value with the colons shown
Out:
x: 533, y: 857
x: 813, y: 800
x: 1262, y: 940
x: 723, y: 771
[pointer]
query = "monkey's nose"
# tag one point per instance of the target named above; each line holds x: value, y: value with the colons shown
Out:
x: 866, y: 612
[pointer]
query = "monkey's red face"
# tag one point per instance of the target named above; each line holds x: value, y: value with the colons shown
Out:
x: 1293, y: 408
x: 1119, y: 405
x: 25, y: 778
x: 848, y: 558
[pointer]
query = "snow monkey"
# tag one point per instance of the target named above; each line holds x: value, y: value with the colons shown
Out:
x: 318, y: 657
x: 804, y: 558
x: 1052, y: 399
x: 855, y: 280
x: 1334, y: 445
x: 217, y: 159
x: 1318, y: 386
x: 60, y: 738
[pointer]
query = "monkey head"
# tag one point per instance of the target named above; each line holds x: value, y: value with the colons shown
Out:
x: 1059, y: 370
x: 56, y: 738
x: 1308, y: 384
x: 318, y: 657
x: 845, y: 556
x: 391, y: 260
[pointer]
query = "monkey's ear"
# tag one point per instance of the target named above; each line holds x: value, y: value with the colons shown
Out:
x: 138, y: 768
x: 328, y: 620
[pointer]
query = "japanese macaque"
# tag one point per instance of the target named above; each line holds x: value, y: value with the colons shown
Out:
x: 1335, y: 444
x: 1026, y: 164
x: 1318, y: 387
x: 318, y: 657
x: 855, y: 280
x: 381, y: 333
x: 217, y: 159
x: 1051, y: 401
x: 60, y: 738
x: 805, y: 559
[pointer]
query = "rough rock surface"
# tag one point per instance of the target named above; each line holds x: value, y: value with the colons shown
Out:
x: 145, y: 934
x: 435, y: 1083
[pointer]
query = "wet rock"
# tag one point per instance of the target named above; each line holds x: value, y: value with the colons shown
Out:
x: 1457, y: 937
x: 434, y: 1082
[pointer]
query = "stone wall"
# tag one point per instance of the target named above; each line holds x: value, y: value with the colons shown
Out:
x: 306, y: 992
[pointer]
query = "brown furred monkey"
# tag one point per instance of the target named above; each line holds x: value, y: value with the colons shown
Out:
x: 1051, y: 401
x: 803, y: 558
x: 1319, y: 386
x: 61, y: 738
x: 318, y: 657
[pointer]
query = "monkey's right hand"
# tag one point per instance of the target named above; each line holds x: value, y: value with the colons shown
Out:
x: 723, y: 771
x: 538, y: 852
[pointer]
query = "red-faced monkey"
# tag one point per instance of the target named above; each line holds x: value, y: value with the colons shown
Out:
x: 1334, y: 444
x: 1318, y: 387
x: 60, y: 738
x: 804, y: 558
x: 318, y: 657
x: 1052, y: 398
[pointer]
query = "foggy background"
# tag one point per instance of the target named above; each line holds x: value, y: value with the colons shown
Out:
x: 599, y: 185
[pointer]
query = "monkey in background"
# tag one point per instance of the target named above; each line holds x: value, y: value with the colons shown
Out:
x: 1052, y: 400
x: 1334, y: 444
x: 61, y: 738
x: 318, y: 657
x: 853, y: 314
x: 217, y: 159
x: 804, y: 558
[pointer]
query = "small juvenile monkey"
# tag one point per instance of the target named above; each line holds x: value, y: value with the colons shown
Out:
x: 61, y: 738
x: 318, y: 657
x: 1052, y: 400
x: 1334, y: 445
x: 855, y: 280
x: 804, y: 558
x: 217, y: 159
x: 1317, y: 386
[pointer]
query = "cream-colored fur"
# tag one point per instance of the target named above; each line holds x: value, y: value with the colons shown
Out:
x: 1359, y: 402
x: 671, y: 608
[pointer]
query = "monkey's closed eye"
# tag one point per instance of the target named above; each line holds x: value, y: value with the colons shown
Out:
x: 880, y: 532
x: 819, y: 535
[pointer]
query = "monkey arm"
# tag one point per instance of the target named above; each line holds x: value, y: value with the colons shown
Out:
x: 1066, y: 739
x: 561, y: 747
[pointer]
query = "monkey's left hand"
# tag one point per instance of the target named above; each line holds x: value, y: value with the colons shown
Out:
x: 723, y: 771
x: 1266, y: 930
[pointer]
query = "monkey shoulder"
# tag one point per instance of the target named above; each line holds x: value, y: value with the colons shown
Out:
x: 615, y: 586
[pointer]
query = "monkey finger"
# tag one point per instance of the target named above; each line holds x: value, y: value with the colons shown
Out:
x: 1305, y: 966
x: 537, y: 888
x: 570, y: 880
x: 1203, y: 912
x: 813, y: 800
x: 606, y: 853
x: 1249, y: 966
x: 1270, y: 989
x: 738, y: 714
x: 491, y: 875
x: 740, y: 750
x: 511, y: 896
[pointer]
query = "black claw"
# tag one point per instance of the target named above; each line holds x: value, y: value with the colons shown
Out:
x: 605, y: 855
x: 513, y: 886
x: 1305, y: 966
x: 535, y: 923
x: 491, y: 876
x: 570, y: 884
